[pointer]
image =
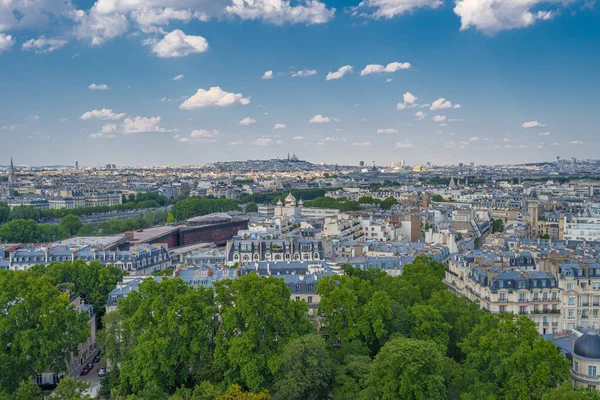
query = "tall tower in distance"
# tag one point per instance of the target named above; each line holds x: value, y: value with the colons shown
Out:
x: 12, y: 177
x: 76, y: 165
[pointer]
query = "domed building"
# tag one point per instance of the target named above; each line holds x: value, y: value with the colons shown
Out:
x: 291, y: 208
x: 585, y: 369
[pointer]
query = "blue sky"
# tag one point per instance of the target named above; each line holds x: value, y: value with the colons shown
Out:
x: 489, y: 81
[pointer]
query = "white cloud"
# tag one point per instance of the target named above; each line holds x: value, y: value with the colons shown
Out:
x: 236, y: 143
x: 409, y: 101
x: 178, y: 77
x: 215, y: 96
x: 298, y: 138
x: 544, y: 134
x: 141, y: 125
x: 457, y: 106
x: 200, y: 136
x: 339, y: 74
x: 279, y: 126
x: 280, y: 12
x: 95, y: 86
x: 440, y: 104
x: 97, y: 27
x: 43, y: 44
x: 387, y: 130
x: 378, y: 68
x: 405, y: 145
x: 439, y: 118
x: 104, y: 114
x: 304, y: 73
x: 391, y: 8
x: 492, y: 16
x: 532, y: 124
x: 362, y: 144
x: 319, y: 119
x: 178, y: 44
x: 6, y: 41
x: 107, y: 132
x: 455, y: 119
x: 420, y: 115
x: 474, y: 139
x: 553, y: 144
x: 148, y: 17
x: 266, y: 140
x: 576, y: 142
x: 247, y: 121
x: 9, y: 128
x: 267, y: 75
x: 33, y: 118
x: 388, y: 80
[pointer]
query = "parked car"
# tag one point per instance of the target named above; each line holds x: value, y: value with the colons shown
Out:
x: 97, y: 358
x: 86, y: 370
x: 101, y: 372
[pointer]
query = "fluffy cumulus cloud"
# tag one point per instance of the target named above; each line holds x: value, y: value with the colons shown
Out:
x: 391, y: 8
x: 200, y: 136
x: 439, y: 118
x: 107, y: 132
x: 441, y: 104
x: 303, y: 73
x: 97, y: 27
x: 148, y: 18
x: 267, y: 140
x: 267, y: 75
x: 378, y: 68
x: 43, y: 44
x: 532, y: 124
x: 492, y: 16
x: 339, y: 74
x: 279, y: 126
x: 474, y: 139
x: 247, y: 121
x: 319, y: 119
x: 420, y: 115
x: 405, y: 145
x: 409, y: 100
x: 6, y: 41
x: 215, y: 96
x: 98, y: 86
x: 281, y: 12
x: 178, y: 44
x: 104, y: 114
x: 387, y: 131
x: 142, y: 125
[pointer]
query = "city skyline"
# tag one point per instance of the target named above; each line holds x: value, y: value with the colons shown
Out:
x: 195, y: 82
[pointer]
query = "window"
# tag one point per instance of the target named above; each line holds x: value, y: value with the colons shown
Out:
x: 297, y: 298
x: 297, y: 288
x: 572, y: 300
x: 309, y: 299
x: 592, y: 370
x: 502, y: 297
x: 569, y: 286
x: 595, y: 313
x: 523, y: 309
x: 571, y: 313
x: 521, y: 297
x: 575, y: 366
x: 545, y: 296
x: 536, y: 296
x: 553, y: 296
x: 502, y: 308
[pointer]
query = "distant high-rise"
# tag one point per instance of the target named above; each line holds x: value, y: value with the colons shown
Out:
x: 12, y: 177
x: 76, y: 165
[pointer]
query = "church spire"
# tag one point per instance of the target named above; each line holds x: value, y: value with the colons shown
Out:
x: 11, y: 174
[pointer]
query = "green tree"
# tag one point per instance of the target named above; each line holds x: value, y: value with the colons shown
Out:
x: 4, y: 213
x: 305, y: 369
x: 251, y: 207
x: 437, y: 198
x: 407, y: 369
x: 258, y: 319
x: 351, y: 376
x: 171, y: 219
x: 39, y: 329
x: 167, y: 332
x: 428, y: 324
x: 234, y: 392
x: 87, y: 229
x: 388, y: 203
x: 508, y: 354
x: 28, y: 390
x: 71, y: 389
x: 567, y: 392
x: 71, y: 224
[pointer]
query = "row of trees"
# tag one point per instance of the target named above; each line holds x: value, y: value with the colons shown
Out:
x: 28, y: 231
x: 375, y: 336
x: 196, y: 206
x: 132, y: 202
x: 386, y: 204
x: 330, y: 202
x: 271, y: 198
